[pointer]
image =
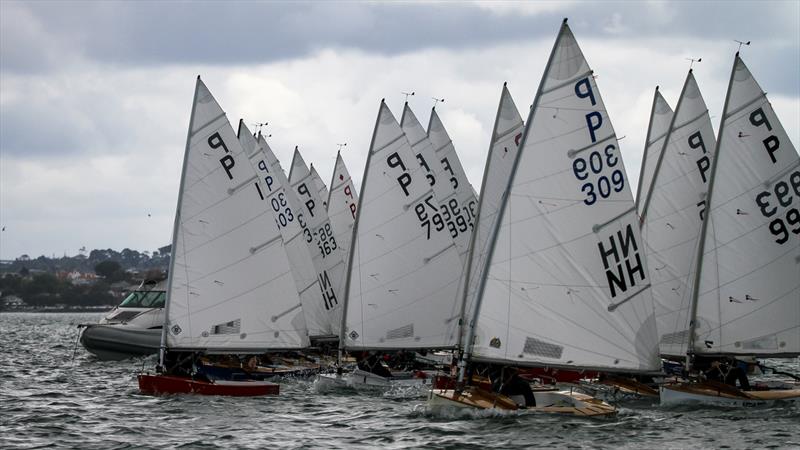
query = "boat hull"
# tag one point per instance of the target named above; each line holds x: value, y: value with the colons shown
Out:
x: 688, y: 394
x: 359, y: 379
x: 115, y: 342
x: 167, y: 384
x: 551, y: 402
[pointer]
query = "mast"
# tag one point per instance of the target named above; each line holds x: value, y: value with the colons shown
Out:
x: 704, y: 227
x: 351, y: 250
x: 163, y: 345
x: 501, y: 211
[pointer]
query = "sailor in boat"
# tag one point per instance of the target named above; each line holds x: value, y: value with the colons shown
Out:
x: 728, y: 371
x: 507, y: 381
x: 371, y: 362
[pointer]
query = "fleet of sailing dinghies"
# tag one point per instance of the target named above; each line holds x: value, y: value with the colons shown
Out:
x: 231, y: 287
x: 746, y: 298
x: 318, y: 234
x: 660, y: 119
x: 553, y: 266
x: 672, y: 211
x: 404, y: 265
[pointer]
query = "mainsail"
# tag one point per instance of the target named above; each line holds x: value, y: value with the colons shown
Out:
x: 673, y: 210
x: 506, y: 135
x: 401, y: 288
x: 449, y: 187
x: 567, y: 283
x: 748, y: 294
x: 342, y: 205
x: 288, y: 217
x: 318, y: 233
x: 230, y: 283
x: 660, y: 118
x: 322, y: 190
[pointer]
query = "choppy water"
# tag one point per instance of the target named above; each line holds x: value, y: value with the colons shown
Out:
x: 47, y: 399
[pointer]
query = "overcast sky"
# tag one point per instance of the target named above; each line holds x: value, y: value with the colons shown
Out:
x: 95, y: 96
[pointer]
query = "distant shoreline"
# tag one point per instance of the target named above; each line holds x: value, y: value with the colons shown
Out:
x: 94, y: 309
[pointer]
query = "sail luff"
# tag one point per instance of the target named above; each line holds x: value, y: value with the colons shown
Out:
x: 176, y: 224
x: 504, y: 202
x: 704, y: 228
x: 348, y: 272
x: 644, y: 154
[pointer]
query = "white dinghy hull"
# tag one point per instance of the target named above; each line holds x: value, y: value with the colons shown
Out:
x: 360, y: 379
x: 695, y: 395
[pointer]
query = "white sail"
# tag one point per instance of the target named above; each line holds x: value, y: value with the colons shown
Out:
x: 231, y: 287
x: 748, y: 296
x: 322, y: 190
x: 452, y: 172
x: 342, y: 205
x: 456, y: 214
x: 660, y: 118
x: 283, y: 205
x: 673, y: 210
x: 567, y: 282
x: 402, y: 286
x: 326, y: 252
x: 506, y: 135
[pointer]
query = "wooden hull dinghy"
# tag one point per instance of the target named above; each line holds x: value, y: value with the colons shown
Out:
x: 720, y: 394
x: 169, y: 384
x: 551, y: 401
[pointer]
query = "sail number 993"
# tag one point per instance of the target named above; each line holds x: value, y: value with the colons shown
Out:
x: 593, y: 166
x: 782, y: 192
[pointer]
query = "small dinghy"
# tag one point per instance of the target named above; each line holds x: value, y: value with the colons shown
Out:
x: 169, y: 384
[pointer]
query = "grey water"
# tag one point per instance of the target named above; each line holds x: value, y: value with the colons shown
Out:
x: 49, y: 399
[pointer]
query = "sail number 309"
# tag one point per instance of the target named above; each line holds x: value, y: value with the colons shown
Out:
x: 600, y: 185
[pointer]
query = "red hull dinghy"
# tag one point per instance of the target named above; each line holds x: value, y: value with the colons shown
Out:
x: 169, y: 384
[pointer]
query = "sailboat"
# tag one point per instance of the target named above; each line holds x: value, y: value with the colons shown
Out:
x: 404, y: 266
x: 230, y: 285
x: 565, y: 283
x: 745, y: 300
